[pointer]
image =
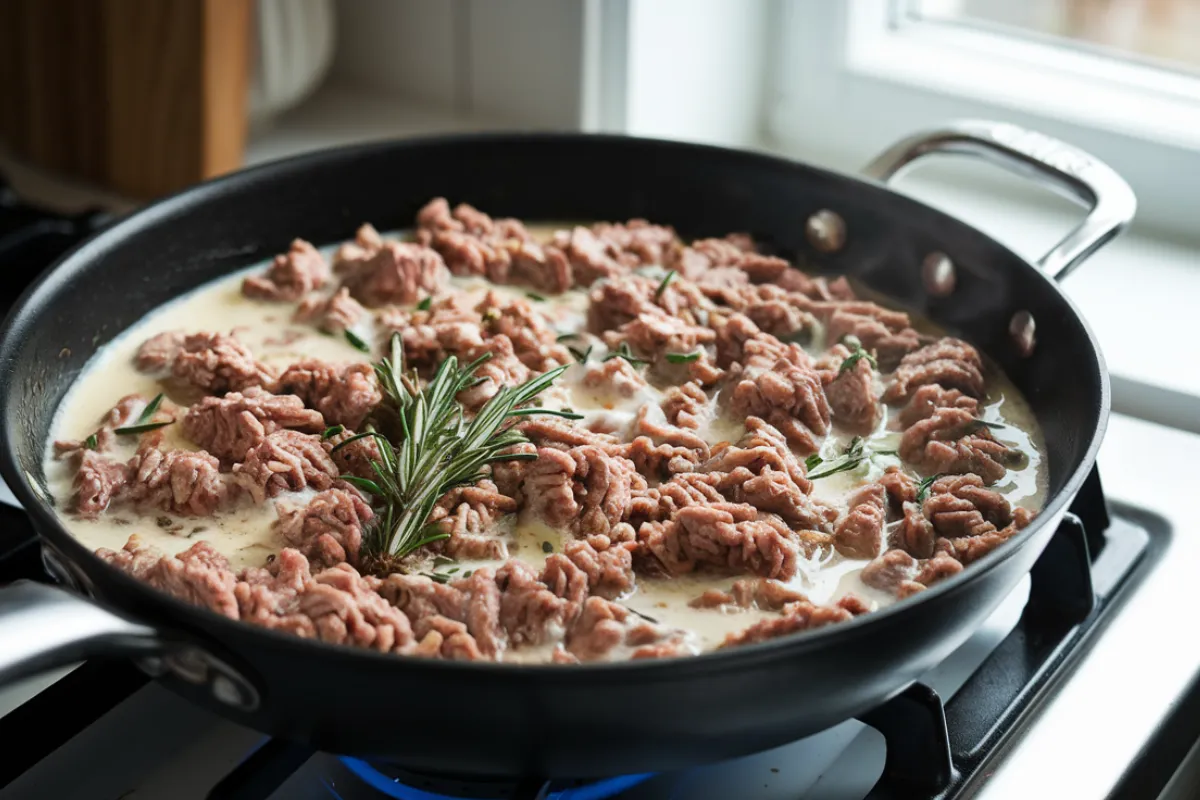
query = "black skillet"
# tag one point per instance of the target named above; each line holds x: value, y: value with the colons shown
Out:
x: 600, y: 719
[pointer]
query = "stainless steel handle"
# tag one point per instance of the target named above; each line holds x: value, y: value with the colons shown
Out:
x: 42, y: 627
x: 1047, y: 161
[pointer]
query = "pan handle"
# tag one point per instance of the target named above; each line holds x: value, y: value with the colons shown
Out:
x: 43, y: 627
x: 1054, y: 164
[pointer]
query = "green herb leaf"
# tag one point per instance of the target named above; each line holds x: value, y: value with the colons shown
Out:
x: 646, y: 617
x: 662, y: 286
x: 812, y: 462
x: 683, y: 358
x: 132, y: 430
x: 425, y: 304
x: 580, y: 356
x: 566, y: 337
x: 441, y: 561
x: 329, y: 433
x: 437, y: 577
x: 924, y: 486
x: 857, y: 353
x: 536, y: 297
x: 624, y: 352
x: 356, y: 341
x: 547, y: 547
x: 150, y: 410
x: 90, y: 443
x: 366, y: 484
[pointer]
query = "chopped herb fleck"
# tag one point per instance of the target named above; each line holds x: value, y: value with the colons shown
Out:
x: 683, y: 358
x: 366, y: 484
x: 452, y: 570
x: 441, y: 561
x: 566, y: 337
x: 662, y: 286
x: 547, y: 547
x: 535, y: 297
x: 90, y: 443
x: 332, y: 432
x: 150, y: 410
x: 812, y: 462
x: 924, y: 486
x: 468, y: 573
x: 580, y: 355
x: 425, y: 304
x: 131, y: 430
x: 437, y: 577
x: 646, y: 617
x: 356, y: 341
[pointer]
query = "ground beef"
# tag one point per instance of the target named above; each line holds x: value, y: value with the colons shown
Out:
x: 290, y: 276
x: 938, y: 568
x: 229, y: 426
x: 881, y: 331
x: 356, y: 457
x: 762, y: 470
x: 900, y: 486
x: 686, y: 406
x: 465, y: 512
x: 533, y: 340
x: 187, y: 482
x: 583, y: 488
x: 603, y: 626
x: 928, y: 399
x: 398, y: 272
x: 970, y: 520
x: 213, y: 362
x: 333, y: 314
x: 787, y: 395
x: 343, y: 393
x: 97, y: 481
x: 797, y: 616
x: 450, y: 326
x: 890, y: 571
x: 502, y: 368
x: 949, y: 363
x: 661, y: 460
x: 859, y: 534
x: 607, y: 571
x: 285, y: 461
x: 953, y: 441
x: 727, y: 535
x: 329, y: 529
x: 530, y: 613
x: 607, y: 249
x: 656, y: 333
x: 777, y: 312
x: 734, y: 251
x: 350, y: 254
x: 760, y: 593
x: 616, y: 376
x: 851, y: 396
x: 199, y: 575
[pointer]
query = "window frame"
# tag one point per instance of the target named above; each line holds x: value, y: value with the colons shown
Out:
x: 851, y: 77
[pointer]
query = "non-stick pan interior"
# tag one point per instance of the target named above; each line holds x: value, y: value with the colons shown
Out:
x: 150, y: 258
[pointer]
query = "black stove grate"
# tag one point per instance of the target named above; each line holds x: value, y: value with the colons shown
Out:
x: 936, y: 750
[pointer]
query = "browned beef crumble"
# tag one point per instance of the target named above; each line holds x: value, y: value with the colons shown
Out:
x: 653, y: 497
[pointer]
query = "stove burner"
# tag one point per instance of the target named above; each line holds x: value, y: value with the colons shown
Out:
x: 402, y: 785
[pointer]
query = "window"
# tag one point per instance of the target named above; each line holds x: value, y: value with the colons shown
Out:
x: 1119, y: 78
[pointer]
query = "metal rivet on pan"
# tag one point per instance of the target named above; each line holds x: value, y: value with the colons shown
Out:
x: 826, y: 231
x: 1022, y: 329
x: 937, y: 271
x: 153, y: 666
x: 190, y: 665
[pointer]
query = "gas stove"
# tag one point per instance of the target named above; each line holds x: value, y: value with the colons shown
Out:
x: 1082, y: 684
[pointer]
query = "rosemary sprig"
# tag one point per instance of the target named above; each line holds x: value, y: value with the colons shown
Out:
x: 683, y: 358
x: 437, y: 448
x: 580, y: 355
x: 425, y: 304
x: 356, y: 341
x: 332, y: 431
x: 535, y: 297
x: 662, y: 286
x: 624, y: 352
x: 857, y: 353
x: 856, y: 453
x: 566, y: 337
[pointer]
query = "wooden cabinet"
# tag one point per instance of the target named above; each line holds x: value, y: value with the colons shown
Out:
x: 142, y: 97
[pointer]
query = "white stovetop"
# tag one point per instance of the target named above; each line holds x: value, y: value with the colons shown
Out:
x: 155, y: 746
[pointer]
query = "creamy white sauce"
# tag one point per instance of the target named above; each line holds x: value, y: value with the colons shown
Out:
x: 246, y: 534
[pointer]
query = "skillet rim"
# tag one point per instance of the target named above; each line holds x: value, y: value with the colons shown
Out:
x: 32, y: 303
